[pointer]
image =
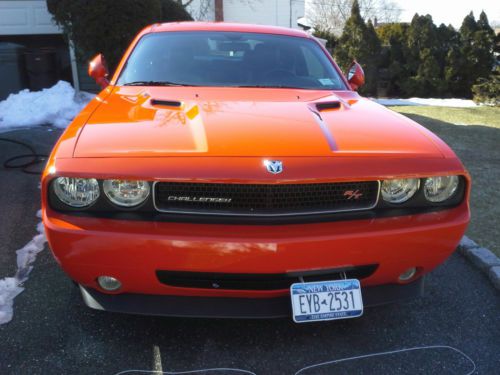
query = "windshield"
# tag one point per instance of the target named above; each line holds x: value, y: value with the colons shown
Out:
x: 229, y: 59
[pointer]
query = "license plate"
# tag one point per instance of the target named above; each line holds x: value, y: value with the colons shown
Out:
x: 326, y: 300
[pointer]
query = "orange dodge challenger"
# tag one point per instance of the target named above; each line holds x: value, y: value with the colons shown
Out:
x: 231, y: 170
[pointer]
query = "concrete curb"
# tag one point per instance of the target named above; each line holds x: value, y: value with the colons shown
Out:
x: 482, y: 258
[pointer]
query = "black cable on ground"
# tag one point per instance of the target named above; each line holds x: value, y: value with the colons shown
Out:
x: 16, y: 162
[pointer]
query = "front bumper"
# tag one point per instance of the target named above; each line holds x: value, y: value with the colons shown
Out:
x: 133, y: 251
x: 224, y: 307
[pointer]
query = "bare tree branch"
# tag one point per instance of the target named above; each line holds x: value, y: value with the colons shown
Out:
x: 331, y: 15
x: 186, y: 3
x: 201, y: 9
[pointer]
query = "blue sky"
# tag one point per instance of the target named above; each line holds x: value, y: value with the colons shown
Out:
x: 449, y: 11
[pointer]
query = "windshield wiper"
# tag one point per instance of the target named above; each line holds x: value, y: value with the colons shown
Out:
x: 155, y: 83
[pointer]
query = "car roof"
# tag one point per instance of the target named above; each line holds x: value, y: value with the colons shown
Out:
x: 224, y: 26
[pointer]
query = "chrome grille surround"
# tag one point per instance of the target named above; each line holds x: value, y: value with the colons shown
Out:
x: 269, y: 200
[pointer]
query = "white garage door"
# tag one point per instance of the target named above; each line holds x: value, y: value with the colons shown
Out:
x: 26, y: 18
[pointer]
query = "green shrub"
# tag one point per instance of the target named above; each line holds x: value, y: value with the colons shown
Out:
x: 359, y: 42
x: 108, y: 27
x: 171, y: 10
x: 487, y: 91
x: 331, y: 39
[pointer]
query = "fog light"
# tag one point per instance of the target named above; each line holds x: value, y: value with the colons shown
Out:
x: 109, y: 283
x: 408, y: 274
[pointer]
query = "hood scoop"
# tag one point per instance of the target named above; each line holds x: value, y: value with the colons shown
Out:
x: 166, y: 103
x: 327, y: 106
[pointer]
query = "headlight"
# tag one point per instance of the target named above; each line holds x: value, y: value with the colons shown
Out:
x: 399, y: 190
x: 76, y: 192
x: 126, y: 193
x: 439, y: 189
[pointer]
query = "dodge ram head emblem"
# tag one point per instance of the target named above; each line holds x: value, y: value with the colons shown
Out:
x: 274, y: 166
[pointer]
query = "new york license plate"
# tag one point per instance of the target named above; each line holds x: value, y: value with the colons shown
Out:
x: 326, y: 300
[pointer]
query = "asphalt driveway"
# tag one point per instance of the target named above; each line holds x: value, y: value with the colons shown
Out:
x: 52, y: 332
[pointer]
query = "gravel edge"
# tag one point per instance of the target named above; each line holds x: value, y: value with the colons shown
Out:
x: 482, y: 258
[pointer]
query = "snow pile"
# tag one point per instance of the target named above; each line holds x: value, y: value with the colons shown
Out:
x: 428, y: 101
x: 10, y: 287
x: 56, y: 106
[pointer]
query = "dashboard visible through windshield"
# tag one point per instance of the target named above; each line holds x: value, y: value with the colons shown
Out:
x: 229, y: 59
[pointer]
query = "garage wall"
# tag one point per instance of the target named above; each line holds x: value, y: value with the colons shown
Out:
x: 29, y: 23
x: 26, y: 17
x: 265, y: 12
x: 26, y: 22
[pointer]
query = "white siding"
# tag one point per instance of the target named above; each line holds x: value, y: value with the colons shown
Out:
x: 26, y: 18
x: 264, y: 12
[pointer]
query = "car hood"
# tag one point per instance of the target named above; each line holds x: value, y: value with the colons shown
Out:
x: 174, y: 121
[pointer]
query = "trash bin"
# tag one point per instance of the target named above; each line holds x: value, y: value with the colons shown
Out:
x: 12, y: 74
x: 41, y: 64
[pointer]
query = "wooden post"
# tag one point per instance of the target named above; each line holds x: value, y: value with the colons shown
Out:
x: 219, y: 10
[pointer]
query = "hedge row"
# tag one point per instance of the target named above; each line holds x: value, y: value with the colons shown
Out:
x: 420, y: 58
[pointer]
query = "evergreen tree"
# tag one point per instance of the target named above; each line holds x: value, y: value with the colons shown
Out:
x: 487, y: 91
x: 393, y: 36
x: 373, y: 49
x: 425, y: 60
x: 459, y: 60
x: 352, y: 39
x: 483, y: 24
x: 428, y: 81
x: 422, y: 34
x: 454, y: 71
x: 109, y: 26
x: 496, y: 49
x: 484, y: 45
x: 448, y: 38
x: 469, y: 26
x: 448, y: 49
x: 477, y: 45
x: 360, y: 42
x: 422, y: 61
x: 331, y: 39
x: 487, y: 87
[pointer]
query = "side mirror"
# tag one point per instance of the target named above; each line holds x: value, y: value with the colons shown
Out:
x: 98, y: 70
x: 355, y: 76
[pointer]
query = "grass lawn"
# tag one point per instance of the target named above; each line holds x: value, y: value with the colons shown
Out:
x: 474, y: 135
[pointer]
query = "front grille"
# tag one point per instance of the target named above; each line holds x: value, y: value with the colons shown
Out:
x: 259, y: 281
x: 264, y: 199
